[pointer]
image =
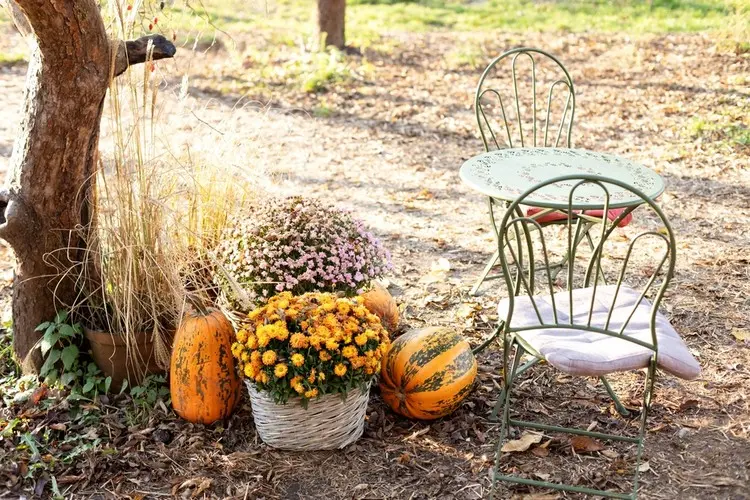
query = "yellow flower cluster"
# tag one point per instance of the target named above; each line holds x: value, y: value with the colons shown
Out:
x: 309, y: 345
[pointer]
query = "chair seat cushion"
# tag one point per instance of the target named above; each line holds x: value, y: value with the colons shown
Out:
x: 558, y: 216
x: 581, y: 352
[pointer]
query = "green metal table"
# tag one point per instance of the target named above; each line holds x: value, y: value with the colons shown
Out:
x: 505, y: 174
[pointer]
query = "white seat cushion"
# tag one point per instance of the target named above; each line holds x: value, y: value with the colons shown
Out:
x: 580, y: 352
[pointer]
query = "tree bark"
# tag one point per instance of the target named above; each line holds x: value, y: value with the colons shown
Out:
x: 52, y: 169
x: 329, y: 16
x: 46, y: 207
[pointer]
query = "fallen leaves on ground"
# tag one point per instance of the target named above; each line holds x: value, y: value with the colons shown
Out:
x: 523, y: 443
x: 585, y: 444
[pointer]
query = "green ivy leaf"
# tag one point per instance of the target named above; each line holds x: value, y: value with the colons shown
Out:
x: 48, y: 342
x: 88, y: 386
x: 61, y: 316
x: 67, y: 378
x: 52, y: 358
x: 107, y: 383
x: 42, y: 326
x: 67, y: 331
x: 69, y: 356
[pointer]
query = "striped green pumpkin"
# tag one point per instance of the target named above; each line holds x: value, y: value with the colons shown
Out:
x: 427, y: 373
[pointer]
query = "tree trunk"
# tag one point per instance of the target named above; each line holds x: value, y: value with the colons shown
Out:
x: 47, y: 193
x: 330, y: 21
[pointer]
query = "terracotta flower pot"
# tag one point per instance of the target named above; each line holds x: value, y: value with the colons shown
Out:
x: 115, y: 360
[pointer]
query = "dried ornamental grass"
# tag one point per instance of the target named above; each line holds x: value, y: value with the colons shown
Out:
x: 298, y: 245
x: 310, y: 345
x: 158, y: 214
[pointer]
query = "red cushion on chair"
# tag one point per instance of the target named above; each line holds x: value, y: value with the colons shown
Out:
x: 612, y: 215
x: 546, y: 218
x: 557, y: 216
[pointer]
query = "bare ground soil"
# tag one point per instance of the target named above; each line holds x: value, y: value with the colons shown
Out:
x: 390, y: 149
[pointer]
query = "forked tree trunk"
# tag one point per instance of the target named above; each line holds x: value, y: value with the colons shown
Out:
x: 45, y: 206
x: 329, y: 16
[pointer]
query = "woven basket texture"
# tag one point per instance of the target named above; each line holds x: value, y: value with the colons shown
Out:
x: 328, y: 423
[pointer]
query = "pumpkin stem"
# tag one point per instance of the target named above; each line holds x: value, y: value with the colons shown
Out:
x: 197, y: 302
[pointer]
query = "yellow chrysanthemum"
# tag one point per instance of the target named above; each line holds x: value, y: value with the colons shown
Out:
x: 324, y: 332
x: 371, y: 334
x: 245, y: 356
x: 280, y: 370
x: 324, y: 356
x: 349, y: 351
x: 269, y: 358
x: 316, y: 341
x: 236, y: 350
x: 347, y: 338
x: 255, y: 356
x: 331, y: 322
x: 299, y: 388
x: 311, y: 393
x: 304, y: 325
x: 255, y: 314
x: 321, y: 376
x: 242, y: 336
x: 296, y: 380
x: 369, y: 370
x: 311, y: 377
x: 339, y: 370
x: 280, y: 330
x: 332, y: 345
x: 329, y: 306
x: 250, y: 371
x: 252, y: 341
x: 359, y: 299
x: 358, y: 362
x: 361, y: 339
x: 298, y: 359
x: 351, y: 326
x: 343, y: 307
x: 299, y: 341
x: 263, y: 336
x: 282, y: 304
x: 360, y: 311
x: 292, y: 313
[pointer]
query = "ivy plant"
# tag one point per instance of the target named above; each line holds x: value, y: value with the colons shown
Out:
x: 65, y: 364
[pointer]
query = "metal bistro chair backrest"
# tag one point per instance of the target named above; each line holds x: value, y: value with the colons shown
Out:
x: 527, y: 253
x: 490, y: 106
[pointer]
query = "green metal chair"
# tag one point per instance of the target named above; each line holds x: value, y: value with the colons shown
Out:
x: 578, y: 325
x: 507, y: 123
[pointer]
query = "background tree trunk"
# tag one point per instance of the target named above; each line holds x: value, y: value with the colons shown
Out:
x: 45, y: 203
x: 329, y: 16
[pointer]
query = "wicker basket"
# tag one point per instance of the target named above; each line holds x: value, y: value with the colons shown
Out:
x: 328, y: 423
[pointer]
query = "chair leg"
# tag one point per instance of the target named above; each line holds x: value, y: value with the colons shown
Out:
x: 519, y: 371
x: 485, y: 272
x: 648, y: 391
x: 618, y: 405
x: 504, y: 429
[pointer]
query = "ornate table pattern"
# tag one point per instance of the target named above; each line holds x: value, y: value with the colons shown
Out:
x: 507, y: 173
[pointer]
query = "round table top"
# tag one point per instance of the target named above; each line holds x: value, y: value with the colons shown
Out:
x: 507, y: 173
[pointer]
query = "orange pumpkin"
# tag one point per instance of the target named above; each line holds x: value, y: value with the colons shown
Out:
x: 427, y: 373
x: 204, y: 384
x: 380, y: 302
